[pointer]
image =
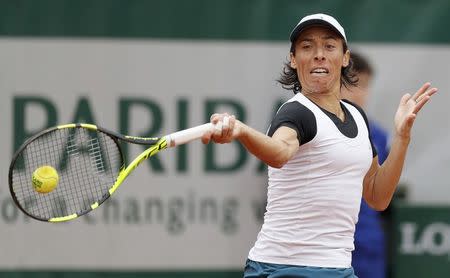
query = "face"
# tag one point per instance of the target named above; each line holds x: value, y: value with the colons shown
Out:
x: 319, y: 57
x: 360, y: 93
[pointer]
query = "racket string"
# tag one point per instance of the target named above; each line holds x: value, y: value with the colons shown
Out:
x: 87, y: 162
x: 96, y: 156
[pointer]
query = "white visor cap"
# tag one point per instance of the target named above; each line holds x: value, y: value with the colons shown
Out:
x: 318, y: 19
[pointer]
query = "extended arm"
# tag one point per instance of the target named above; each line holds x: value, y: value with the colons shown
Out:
x: 275, y: 151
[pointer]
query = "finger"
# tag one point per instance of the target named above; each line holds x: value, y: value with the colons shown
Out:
x: 226, y: 126
x: 215, y: 118
x: 405, y: 98
x: 420, y: 104
x: 423, y: 99
x: 218, y: 127
x: 232, y: 124
x: 421, y: 91
x: 429, y: 92
x: 226, y: 121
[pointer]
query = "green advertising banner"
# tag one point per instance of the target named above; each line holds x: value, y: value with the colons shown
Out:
x: 261, y: 20
x: 422, y: 241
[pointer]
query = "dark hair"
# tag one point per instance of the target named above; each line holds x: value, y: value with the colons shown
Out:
x: 289, y: 79
x: 360, y: 63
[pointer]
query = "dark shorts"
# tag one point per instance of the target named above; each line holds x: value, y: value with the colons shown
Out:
x: 259, y: 270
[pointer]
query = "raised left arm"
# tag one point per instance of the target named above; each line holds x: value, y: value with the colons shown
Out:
x: 380, y: 181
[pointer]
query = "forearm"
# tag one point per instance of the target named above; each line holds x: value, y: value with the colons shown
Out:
x: 274, y: 151
x: 380, y: 182
x: 388, y: 174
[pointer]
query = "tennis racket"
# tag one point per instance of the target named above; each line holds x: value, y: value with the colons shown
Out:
x: 90, y: 166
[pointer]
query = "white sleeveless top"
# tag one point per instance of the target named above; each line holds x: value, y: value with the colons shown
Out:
x: 313, y: 200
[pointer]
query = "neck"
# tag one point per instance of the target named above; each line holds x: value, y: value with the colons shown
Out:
x: 329, y: 98
x: 329, y: 101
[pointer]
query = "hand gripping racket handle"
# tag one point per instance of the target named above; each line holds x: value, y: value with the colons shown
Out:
x: 190, y: 134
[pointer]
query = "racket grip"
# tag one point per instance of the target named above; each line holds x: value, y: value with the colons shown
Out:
x: 188, y: 135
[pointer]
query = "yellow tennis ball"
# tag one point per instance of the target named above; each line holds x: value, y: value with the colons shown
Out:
x: 45, y: 179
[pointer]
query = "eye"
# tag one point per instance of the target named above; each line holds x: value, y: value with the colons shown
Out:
x: 330, y: 46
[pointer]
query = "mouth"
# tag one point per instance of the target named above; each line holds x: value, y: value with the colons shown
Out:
x: 319, y: 71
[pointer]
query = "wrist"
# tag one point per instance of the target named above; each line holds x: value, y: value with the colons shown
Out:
x: 242, y: 130
x: 401, y: 139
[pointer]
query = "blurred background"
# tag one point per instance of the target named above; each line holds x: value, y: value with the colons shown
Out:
x: 151, y: 67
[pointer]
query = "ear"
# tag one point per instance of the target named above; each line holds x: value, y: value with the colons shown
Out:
x: 346, y: 59
x: 293, y: 62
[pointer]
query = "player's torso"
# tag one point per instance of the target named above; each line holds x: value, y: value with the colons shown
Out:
x: 313, y: 200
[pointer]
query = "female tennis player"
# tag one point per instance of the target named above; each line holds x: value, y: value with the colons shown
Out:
x: 320, y: 157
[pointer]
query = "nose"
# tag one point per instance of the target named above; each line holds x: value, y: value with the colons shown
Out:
x: 319, y: 55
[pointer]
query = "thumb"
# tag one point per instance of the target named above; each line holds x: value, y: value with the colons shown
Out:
x: 409, y: 121
x: 206, y: 137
